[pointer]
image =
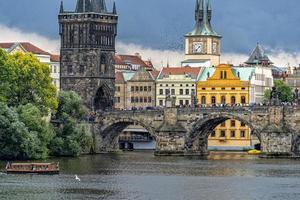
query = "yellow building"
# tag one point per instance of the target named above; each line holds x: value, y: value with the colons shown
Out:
x: 223, y: 85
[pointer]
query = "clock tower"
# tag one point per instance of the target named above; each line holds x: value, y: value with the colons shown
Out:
x: 202, y: 44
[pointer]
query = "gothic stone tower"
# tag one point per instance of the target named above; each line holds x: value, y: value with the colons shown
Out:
x: 87, y: 52
x: 203, y: 43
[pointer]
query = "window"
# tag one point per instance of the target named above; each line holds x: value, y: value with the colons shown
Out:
x: 213, y: 88
x: 223, y: 100
x: 181, y: 91
x: 243, y: 100
x: 70, y: 69
x: 149, y: 88
x: 193, y: 91
x: 223, y: 124
x: 161, y: 91
x: 167, y: 91
x: 187, y: 102
x: 232, y: 100
x: 55, y: 69
x: 187, y: 85
x: 180, y: 85
x: 203, y: 100
x: 141, y: 99
x: 243, y: 134
x: 187, y: 91
x: 213, y: 134
x: 232, y: 123
x: 243, y: 124
x: 172, y: 85
x: 181, y: 102
x: 232, y: 134
x: 141, y: 88
x: 145, y: 99
x: 136, y: 88
x: 149, y: 99
x: 172, y: 91
x: 118, y: 89
x: 136, y: 99
x: 243, y: 88
x: 233, y: 88
x: 223, y: 89
x: 145, y: 89
x: 132, y: 89
x: 161, y: 102
x: 213, y: 100
x: 203, y: 88
x: 81, y: 69
x: 118, y: 100
x: 132, y: 99
x: 222, y: 134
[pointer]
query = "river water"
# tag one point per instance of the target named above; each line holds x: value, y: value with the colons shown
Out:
x: 142, y: 176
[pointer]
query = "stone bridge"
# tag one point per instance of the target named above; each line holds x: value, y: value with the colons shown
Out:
x: 185, y: 131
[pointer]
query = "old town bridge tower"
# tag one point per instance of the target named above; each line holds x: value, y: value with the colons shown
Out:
x: 87, y: 52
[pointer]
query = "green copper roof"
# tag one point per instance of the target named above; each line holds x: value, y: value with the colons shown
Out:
x: 203, y: 14
x: 245, y: 73
x: 207, y: 72
x: 128, y: 75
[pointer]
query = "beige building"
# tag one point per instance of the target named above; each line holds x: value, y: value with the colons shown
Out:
x: 135, y: 90
x: 179, y: 83
x: 293, y: 80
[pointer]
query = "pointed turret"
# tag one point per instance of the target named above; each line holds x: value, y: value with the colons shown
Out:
x: 258, y: 57
x: 96, y: 6
x: 61, y: 10
x: 114, y: 8
x: 203, y: 15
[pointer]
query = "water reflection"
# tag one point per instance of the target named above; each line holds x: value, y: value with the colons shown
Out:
x: 142, y: 176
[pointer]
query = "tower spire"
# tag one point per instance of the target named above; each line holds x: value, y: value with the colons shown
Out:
x: 61, y: 10
x: 114, y: 8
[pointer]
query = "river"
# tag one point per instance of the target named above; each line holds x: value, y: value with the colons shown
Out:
x: 142, y: 176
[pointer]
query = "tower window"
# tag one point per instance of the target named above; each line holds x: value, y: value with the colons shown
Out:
x: 81, y: 69
x: 70, y: 70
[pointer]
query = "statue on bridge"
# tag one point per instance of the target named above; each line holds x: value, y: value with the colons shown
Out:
x: 274, y: 98
x: 297, y: 96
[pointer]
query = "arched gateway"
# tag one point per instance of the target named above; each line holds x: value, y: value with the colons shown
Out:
x: 185, y: 131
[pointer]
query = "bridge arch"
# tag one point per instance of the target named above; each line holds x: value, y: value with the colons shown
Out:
x: 114, y: 128
x: 202, y: 128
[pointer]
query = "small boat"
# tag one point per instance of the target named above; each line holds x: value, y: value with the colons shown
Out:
x: 32, y: 168
x: 254, y: 152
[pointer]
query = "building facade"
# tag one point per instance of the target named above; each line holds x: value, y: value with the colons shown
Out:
x: 177, y: 82
x: 202, y: 44
x: 293, y: 80
x: 131, y: 63
x: 87, y: 52
x: 224, y: 86
x: 44, y: 57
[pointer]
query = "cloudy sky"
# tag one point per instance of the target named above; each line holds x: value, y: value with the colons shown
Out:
x: 155, y: 28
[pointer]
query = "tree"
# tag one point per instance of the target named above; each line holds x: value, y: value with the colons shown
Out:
x: 23, y: 80
x: 285, y: 93
x: 71, y: 139
x: 38, y: 128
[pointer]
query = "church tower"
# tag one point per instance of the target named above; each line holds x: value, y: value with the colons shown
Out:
x: 202, y: 44
x: 87, y: 52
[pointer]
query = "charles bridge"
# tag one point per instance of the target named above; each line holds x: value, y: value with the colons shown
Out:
x: 185, y: 131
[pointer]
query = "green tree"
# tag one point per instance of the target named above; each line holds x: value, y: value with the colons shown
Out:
x: 285, y: 92
x: 71, y: 138
x: 40, y: 130
x: 23, y: 80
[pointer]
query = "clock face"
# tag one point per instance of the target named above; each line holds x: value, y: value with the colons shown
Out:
x: 214, y: 48
x: 197, y: 47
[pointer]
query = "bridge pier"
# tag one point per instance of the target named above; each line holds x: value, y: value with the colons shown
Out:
x: 276, y: 142
x: 199, y: 148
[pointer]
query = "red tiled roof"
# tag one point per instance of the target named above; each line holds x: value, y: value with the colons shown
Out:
x: 27, y: 46
x: 119, y: 77
x: 181, y: 70
x: 130, y: 59
x: 55, y: 58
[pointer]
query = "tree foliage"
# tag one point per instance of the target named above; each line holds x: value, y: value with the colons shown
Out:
x: 23, y: 80
x: 285, y: 92
x: 70, y: 138
x: 23, y: 135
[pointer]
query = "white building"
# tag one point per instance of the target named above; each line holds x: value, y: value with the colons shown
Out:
x: 53, y: 61
x: 179, y: 83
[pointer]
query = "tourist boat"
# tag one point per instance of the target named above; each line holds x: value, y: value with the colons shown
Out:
x: 32, y: 168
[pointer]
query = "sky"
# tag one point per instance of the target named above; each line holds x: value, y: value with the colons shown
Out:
x: 156, y: 28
